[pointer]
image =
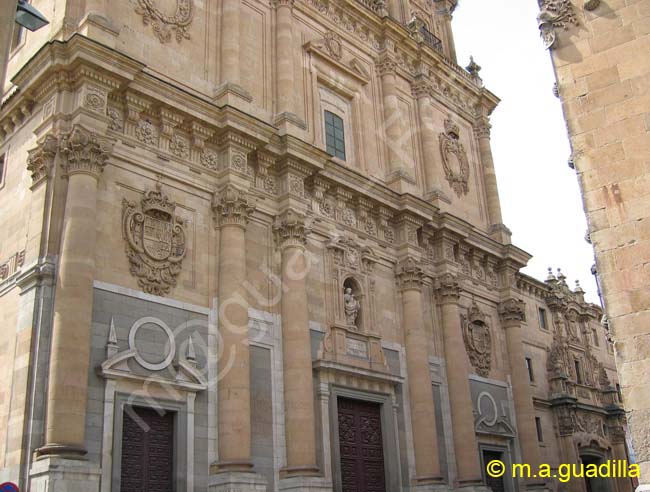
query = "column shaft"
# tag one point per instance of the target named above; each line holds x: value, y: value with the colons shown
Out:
x: 284, y: 57
x: 489, y: 176
x: 462, y: 419
x: 230, y: 40
x: 296, y: 349
x: 234, y: 408
x: 423, y: 416
x: 68, y: 386
x: 429, y: 142
x: 392, y: 121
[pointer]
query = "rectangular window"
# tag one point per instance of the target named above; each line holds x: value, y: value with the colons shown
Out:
x: 542, y: 319
x: 595, y: 334
x: 17, y: 36
x: 529, y: 368
x: 576, y: 363
x: 334, y: 135
x: 620, y: 395
x: 538, y: 426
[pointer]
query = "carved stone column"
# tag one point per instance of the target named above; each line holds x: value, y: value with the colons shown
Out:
x: 284, y: 57
x: 291, y: 230
x: 423, y: 415
x: 231, y: 91
x: 428, y: 137
x: 232, y: 212
x: 458, y: 370
x: 84, y: 155
x: 392, y: 119
x: 482, y: 132
x: 513, y: 313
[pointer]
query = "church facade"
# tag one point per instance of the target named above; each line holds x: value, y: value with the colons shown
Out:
x: 253, y: 246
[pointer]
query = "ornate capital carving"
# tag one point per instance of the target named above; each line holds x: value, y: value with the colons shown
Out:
x: 291, y: 229
x: 482, y: 128
x: 231, y: 207
x: 41, y: 158
x: 385, y: 65
x: 449, y: 288
x: 420, y: 87
x: 512, y: 311
x: 409, y: 275
x: 84, y: 152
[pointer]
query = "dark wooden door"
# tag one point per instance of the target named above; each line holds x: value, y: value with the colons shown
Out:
x: 361, y: 446
x: 495, y: 483
x: 147, y: 451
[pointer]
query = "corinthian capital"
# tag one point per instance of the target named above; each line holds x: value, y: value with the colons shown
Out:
x: 512, y: 311
x: 291, y: 229
x: 84, y: 152
x: 448, y: 288
x: 41, y: 159
x: 409, y: 275
x: 231, y: 207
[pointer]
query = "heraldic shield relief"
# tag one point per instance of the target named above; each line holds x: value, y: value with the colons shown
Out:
x: 155, y: 241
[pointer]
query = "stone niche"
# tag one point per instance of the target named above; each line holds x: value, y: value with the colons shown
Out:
x: 352, y: 337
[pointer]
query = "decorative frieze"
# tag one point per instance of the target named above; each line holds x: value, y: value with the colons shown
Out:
x: 231, y: 207
x: 84, y: 151
x: 41, y: 158
x: 155, y: 241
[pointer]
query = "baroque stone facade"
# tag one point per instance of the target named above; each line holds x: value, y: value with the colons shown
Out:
x: 259, y: 247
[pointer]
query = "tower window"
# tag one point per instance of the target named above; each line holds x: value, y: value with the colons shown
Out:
x: 578, y: 369
x: 538, y: 426
x: 334, y: 135
x: 542, y: 319
x: 529, y: 368
x: 595, y: 334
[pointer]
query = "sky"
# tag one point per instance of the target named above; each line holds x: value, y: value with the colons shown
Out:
x: 540, y: 197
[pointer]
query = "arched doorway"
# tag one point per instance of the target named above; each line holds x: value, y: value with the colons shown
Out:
x: 594, y: 456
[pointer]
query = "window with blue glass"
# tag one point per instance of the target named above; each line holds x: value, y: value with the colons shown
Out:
x: 334, y: 135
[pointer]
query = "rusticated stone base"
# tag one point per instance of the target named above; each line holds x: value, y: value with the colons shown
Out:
x: 53, y: 474
x: 305, y: 484
x: 236, y: 481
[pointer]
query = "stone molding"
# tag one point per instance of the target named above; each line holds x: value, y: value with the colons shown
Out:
x: 231, y: 206
x: 291, y: 229
x: 410, y: 275
x: 84, y: 152
x: 40, y: 159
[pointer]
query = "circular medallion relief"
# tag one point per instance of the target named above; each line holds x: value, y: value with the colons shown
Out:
x: 150, y: 329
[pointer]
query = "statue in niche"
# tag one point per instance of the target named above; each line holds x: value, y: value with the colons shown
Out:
x: 352, y: 307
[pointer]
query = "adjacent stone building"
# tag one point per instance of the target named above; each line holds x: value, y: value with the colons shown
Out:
x: 598, y: 50
x: 253, y: 246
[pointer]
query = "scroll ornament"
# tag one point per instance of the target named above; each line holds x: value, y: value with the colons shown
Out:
x: 163, y: 24
x: 155, y: 241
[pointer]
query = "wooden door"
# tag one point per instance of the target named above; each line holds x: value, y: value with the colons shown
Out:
x: 361, y: 446
x: 147, y: 451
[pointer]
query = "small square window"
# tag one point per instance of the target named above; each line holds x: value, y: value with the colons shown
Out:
x: 538, y: 426
x: 542, y: 319
x: 334, y: 135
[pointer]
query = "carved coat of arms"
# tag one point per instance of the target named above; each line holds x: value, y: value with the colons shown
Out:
x: 454, y: 158
x: 155, y: 241
x: 478, y: 341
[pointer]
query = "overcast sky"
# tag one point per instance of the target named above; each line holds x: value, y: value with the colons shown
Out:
x: 540, y: 197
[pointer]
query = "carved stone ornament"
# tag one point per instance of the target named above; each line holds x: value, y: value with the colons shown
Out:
x: 162, y: 23
x: 291, y: 229
x: 41, y: 158
x: 155, y: 241
x: 333, y: 45
x: 409, y: 275
x: 478, y: 340
x: 454, y: 158
x: 554, y: 14
x: 84, y: 152
x: 231, y: 207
